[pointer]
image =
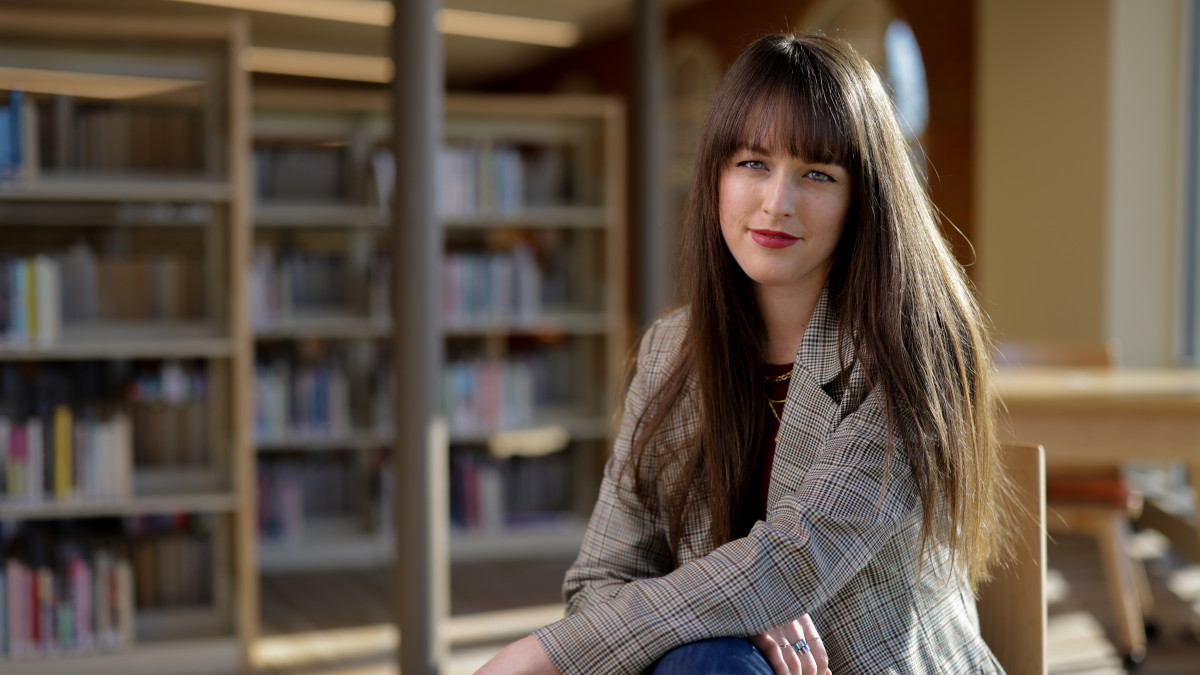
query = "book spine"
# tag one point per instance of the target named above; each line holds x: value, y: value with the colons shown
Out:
x: 6, y: 151
x: 124, y: 595
x: 121, y: 467
x: 44, y: 597
x: 81, y: 586
x: 6, y: 299
x: 103, y: 603
x: 16, y: 614
x: 19, y: 330
x: 35, y: 478
x: 16, y: 119
x: 32, y: 320
x: 64, y: 473
x: 19, y: 472
x: 47, y: 300
x: 31, y: 154
x: 7, y: 461
x: 5, y: 649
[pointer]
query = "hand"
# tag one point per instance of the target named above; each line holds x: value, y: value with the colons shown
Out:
x: 523, y: 657
x: 776, y: 645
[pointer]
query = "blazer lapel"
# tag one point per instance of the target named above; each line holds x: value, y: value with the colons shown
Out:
x: 810, y: 414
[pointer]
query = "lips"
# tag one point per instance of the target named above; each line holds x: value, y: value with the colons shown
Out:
x: 773, y: 238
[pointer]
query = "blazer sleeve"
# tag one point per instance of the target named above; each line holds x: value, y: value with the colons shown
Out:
x: 813, y: 542
x: 623, y: 543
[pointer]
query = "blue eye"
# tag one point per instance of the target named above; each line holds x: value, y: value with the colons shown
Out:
x: 820, y: 176
x: 752, y: 164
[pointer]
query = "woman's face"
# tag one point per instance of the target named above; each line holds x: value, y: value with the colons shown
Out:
x: 782, y: 216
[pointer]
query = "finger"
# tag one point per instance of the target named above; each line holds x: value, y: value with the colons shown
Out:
x: 800, y: 647
x: 786, y: 653
x: 794, y: 661
x: 815, y: 644
x: 768, y: 645
x: 786, y: 636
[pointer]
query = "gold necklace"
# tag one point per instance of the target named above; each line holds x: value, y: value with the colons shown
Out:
x: 771, y: 404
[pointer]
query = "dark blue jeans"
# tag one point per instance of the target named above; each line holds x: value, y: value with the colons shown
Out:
x: 716, y: 656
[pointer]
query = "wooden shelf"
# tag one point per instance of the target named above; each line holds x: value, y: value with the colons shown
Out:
x: 576, y: 428
x: 319, y: 216
x: 217, y: 655
x: 180, y: 623
x: 347, y: 216
x: 333, y: 547
x: 585, y: 217
x: 218, y: 502
x: 516, y: 543
x: 109, y: 188
x: 581, y: 323
x: 125, y: 341
x: 106, y: 214
x: 358, y: 440
x: 350, y: 549
x: 333, y: 327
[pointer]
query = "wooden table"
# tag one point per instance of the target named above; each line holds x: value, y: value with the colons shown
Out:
x: 1101, y: 417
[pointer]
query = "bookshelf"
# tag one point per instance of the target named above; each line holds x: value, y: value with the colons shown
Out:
x: 319, y: 302
x: 535, y: 319
x: 534, y: 184
x: 125, y: 471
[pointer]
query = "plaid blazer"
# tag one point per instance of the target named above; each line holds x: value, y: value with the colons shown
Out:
x: 833, y: 544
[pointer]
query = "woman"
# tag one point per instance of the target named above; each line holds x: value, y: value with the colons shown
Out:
x: 814, y: 432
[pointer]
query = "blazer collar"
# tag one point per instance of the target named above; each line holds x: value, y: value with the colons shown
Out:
x: 818, y: 353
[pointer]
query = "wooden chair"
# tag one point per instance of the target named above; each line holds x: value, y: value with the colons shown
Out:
x: 1094, y: 502
x: 1012, y: 606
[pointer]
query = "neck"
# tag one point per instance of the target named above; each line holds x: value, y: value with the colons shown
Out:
x: 786, y: 313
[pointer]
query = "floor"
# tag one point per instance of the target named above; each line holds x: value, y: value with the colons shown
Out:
x: 327, y: 624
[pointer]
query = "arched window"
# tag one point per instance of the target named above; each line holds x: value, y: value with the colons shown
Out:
x: 875, y: 29
x: 906, y: 75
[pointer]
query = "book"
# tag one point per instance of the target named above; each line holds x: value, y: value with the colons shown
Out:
x: 79, y: 458
x: 16, y: 127
x: 15, y: 610
x: 29, y: 297
x: 30, y: 165
x: 64, y: 475
x: 5, y: 649
x: 7, y: 152
x: 7, y: 461
x: 35, y: 481
x: 31, y: 308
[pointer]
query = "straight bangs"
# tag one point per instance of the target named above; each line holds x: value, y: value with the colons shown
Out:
x: 794, y: 105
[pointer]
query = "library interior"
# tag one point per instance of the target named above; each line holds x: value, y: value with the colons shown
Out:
x: 246, y: 419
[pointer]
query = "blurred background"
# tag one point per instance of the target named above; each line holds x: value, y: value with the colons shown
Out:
x: 197, y: 407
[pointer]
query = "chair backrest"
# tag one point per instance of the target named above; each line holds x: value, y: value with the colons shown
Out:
x: 1012, y: 606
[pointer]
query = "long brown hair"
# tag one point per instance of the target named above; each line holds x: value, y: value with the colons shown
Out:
x: 898, y: 294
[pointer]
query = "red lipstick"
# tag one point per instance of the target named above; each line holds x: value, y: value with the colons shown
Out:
x: 773, y: 238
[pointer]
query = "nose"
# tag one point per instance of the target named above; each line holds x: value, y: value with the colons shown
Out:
x: 782, y: 196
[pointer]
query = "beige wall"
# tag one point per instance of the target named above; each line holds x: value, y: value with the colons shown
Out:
x: 1042, y: 117
x: 1077, y: 171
